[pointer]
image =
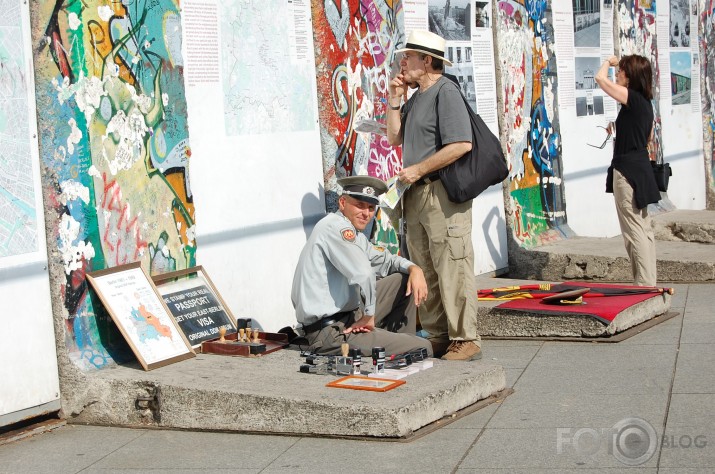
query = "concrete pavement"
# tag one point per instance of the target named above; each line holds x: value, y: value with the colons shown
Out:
x: 576, y: 405
x: 641, y: 403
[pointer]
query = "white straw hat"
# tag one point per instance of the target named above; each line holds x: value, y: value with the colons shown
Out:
x: 424, y: 41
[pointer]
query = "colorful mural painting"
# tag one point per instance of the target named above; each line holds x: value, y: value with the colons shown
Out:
x: 114, y: 148
x: 355, y: 43
x: 536, y: 211
x: 707, y: 50
x: 637, y: 35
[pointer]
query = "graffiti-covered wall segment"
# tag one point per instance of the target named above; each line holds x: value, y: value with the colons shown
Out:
x: 355, y: 43
x: 536, y: 207
x: 707, y: 48
x: 114, y: 148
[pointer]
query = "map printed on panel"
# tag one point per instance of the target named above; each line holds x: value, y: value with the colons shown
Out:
x: 148, y: 325
x: 267, y: 83
x: 18, y: 220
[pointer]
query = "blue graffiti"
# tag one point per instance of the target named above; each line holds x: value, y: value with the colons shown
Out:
x: 544, y: 152
x: 536, y: 10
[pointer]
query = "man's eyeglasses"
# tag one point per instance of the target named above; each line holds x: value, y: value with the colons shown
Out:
x: 608, y: 138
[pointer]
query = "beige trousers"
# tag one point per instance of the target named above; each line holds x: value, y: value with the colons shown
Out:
x: 439, y: 240
x: 637, y: 232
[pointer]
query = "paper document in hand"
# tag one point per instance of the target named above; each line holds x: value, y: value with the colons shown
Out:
x: 395, y: 189
x: 371, y: 126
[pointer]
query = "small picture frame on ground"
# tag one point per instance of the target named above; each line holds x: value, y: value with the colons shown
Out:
x: 358, y: 382
x: 131, y: 299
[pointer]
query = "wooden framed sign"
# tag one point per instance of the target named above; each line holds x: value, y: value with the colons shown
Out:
x: 195, y: 304
x: 136, y: 307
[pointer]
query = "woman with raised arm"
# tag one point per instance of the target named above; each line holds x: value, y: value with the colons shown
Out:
x: 630, y: 176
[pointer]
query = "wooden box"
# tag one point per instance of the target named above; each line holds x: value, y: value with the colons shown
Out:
x: 271, y: 340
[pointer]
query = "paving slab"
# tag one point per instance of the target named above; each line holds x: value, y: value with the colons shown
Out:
x: 698, y: 332
x: 436, y: 453
x: 267, y: 394
x: 689, y: 434
x: 509, y: 357
x: 649, y: 369
x: 578, y: 468
x: 478, y: 419
x: 695, y: 372
x: 68, y: 452
x: 532, y: 409
x: 538, y: 448
x: 665, y: 333
x: 181, y: 448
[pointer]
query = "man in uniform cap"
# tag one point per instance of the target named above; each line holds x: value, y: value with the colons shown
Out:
x: 336, y: 292
x: 434, y: 130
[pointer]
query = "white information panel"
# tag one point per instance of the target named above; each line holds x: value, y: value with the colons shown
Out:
x: 30, y: 382
x: 256, y: 167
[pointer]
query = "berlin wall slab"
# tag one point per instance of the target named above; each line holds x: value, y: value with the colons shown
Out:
x: 267, y: 394
x: 501, y: 322
x: 685, y: 226
x: 605, y: 260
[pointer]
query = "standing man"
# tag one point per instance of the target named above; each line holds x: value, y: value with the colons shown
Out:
x: 435, y: 132
x: 336, y: 294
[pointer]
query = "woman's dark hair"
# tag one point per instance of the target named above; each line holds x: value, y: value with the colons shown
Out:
x: 639, y: 73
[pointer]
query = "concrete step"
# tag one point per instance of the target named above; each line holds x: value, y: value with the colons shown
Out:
x: 605, y: 259
x: 685, y: 226
x: 267, y: 394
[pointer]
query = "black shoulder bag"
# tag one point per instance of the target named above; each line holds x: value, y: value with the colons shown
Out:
x: 483, y: 166
x: 661, y: 169
x: 662, y: 173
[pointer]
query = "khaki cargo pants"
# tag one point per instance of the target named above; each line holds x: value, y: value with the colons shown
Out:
x: 439, y: 240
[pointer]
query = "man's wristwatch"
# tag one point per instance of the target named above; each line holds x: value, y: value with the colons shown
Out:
x: 393, y: 107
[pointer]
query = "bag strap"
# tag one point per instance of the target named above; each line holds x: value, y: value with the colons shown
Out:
x: 659, y: 158
x: 436, y: 111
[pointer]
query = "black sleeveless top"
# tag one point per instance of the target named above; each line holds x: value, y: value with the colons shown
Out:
x: 630, y: 150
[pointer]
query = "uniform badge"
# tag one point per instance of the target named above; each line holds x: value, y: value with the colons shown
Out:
x: 368, y: 191
x: 379, y: 248
x: 348, y: 234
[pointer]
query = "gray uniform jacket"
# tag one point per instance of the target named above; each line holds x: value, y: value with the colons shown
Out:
x: 337, y: 271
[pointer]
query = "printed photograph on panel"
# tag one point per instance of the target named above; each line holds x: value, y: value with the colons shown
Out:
x: 587, y: 23
x: 680, y: 73
x: 588, y: 102
x: 607, y: 4
x: 451, y: 19
x: 481, y: 14
x: 462, y: 71
x: 679, y: 24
